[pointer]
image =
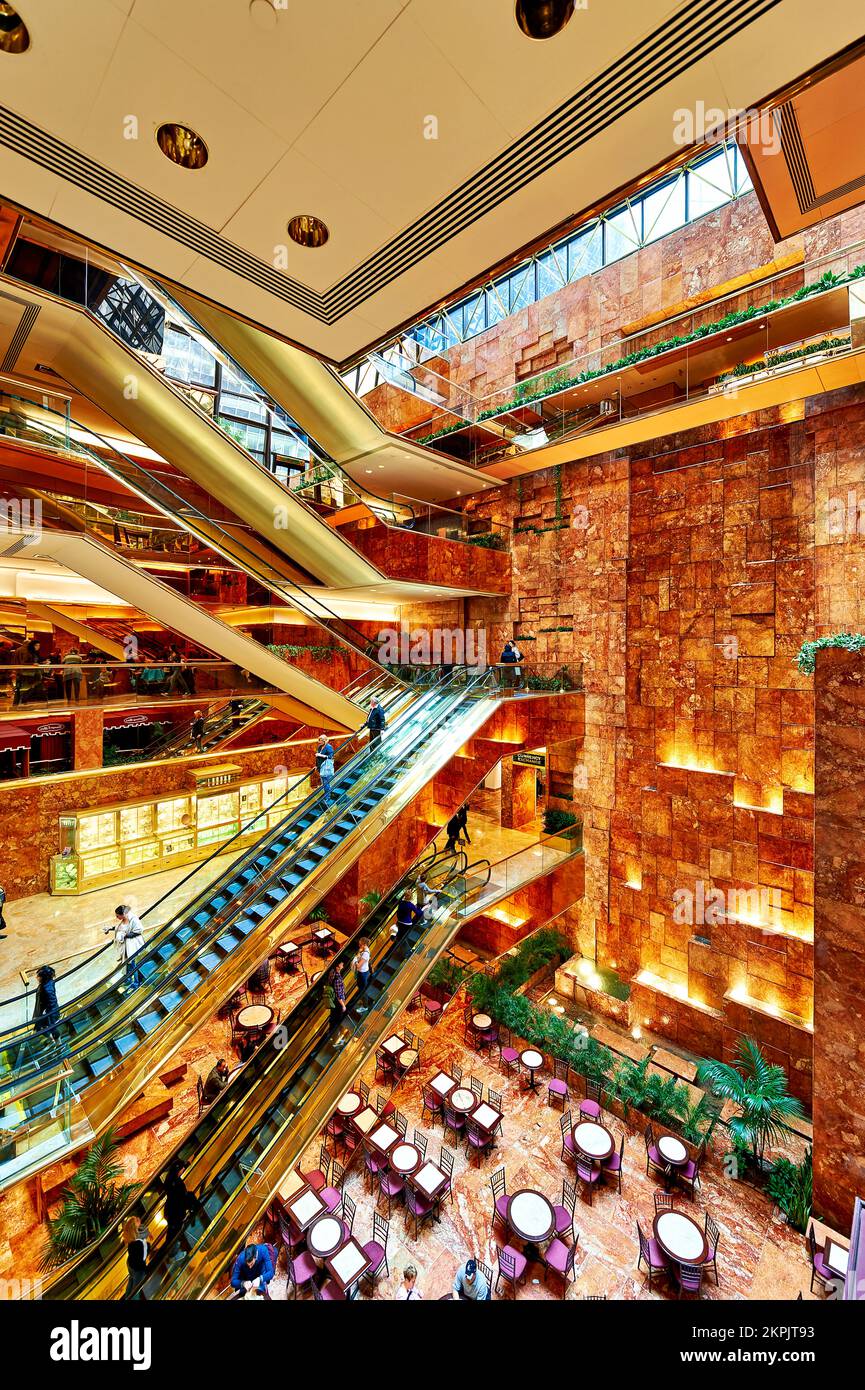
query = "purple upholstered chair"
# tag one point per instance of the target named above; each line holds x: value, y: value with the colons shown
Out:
x: 613, y: 1165
x: 421, y: 1208
x: 569, y: 1148
x: 565, y: 1213
x: 376, y: 1249
x: 560, y: 1259
x: 588, y: 1174
x: 301, y: 1271
x: 557, y: 1090
x: 433, y: 1105
x: 652, y: 1255
x: 508, y: 1054
x: 590, y: 1108
x: 819, y: 1267
x: 512, y: 1267
x: 689, y: 1278
x: 499, y: 1184
x: 392, y: 1185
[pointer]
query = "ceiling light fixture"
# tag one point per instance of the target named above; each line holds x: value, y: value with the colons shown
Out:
x: 14, y: 34
x: 307, y: 230
x: 543, y: 19
x: 263, y: 15
x: 182, y: 145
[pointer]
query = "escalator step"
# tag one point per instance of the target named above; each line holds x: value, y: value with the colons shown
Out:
x: 244, y: 926
x: 210, y: 960
x: 98, y: 1065
x: 191, y: 979
x: 171, y: 998
x: 202, y: 918
x: 227, y: 942
x: 151, y: 1020
x: 260, y: 910
x: 184, y: 933
x: 125, y: 1042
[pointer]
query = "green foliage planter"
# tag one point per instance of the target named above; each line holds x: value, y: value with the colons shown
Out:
x: 289, y: 651
x: 845, y: 641
x: 791, y: 1186
x: 564, y: 829
x: 92, y: 1201
x: 758, y: 1089
x: 641, y: 1092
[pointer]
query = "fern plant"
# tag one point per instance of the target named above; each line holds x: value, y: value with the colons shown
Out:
x: 92, y: 1201
x: 759, y: 1089
x: 791, y: 1186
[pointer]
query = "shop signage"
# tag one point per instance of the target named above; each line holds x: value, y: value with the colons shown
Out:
x: 531, y: 759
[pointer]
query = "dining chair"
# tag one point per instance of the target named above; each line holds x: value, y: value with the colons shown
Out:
x: 508, y: 1054
x: 446, y: 1163
x: 454, y: 1122
x: 328, y: 1292
x: 391, y: 1185
x: 332, y: 1194
x: 487, y: 1273
x: 689, y: 1175
x: 650, y: 1251
x: 432, y: 1011
x: 457, y: 1074
x: 560, y: 1258
x: 418, y: 1206
x: 564, y: 1212
x: 478, y: 1141
x: 380, y: 1102
x: 477, y: 1087
x: 363, y: 1092
x: 615, y: 1163
x: 499, y: 1185
x: 432, y: 1103
x: 653, y: 1154
x: 557, y: 1088
x: 713, y: 1240
x: 302, y: 1270
x: 376, y: 1249
x: 317, y: 1178
x: 373, y: 1163
x: 590, y: 1108
x: 689, y: 1278
x: 349, y: 1211
x: 199, y: 1093
x: 400, y: 1123
x: 384, y: 1065
x: 588, y: 1174
x: 663, y: 1202
x: 569, y: 1148
x: 420, y: 1142
x: 512, y: 1267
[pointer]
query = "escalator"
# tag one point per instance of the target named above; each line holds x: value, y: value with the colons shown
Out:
x: 220, y: 725
x: 111, y: 1045
x: 260, y: 1125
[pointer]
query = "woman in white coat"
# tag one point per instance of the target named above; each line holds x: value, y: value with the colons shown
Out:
x: 129, y: 939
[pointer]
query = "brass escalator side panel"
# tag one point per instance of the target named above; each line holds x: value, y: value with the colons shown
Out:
x: 302, y: 697
x: 106, y: 1096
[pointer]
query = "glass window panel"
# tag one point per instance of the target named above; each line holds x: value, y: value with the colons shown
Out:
x: 549, y: 278
x: 709, y: 185
x: 250, y: 437
x: 186, y: 360
x: 497, y: 308
x: 664, y: 210
x: 743, y: 178
x: 521, y: 287
x: 475, y: 320
x: 585, y: 252
x: 246, y: 407
x: 621, y: 233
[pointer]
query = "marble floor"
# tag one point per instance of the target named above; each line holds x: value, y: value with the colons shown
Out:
x: 759, y: 1256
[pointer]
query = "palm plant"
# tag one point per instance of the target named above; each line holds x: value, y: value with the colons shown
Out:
x: 759, y: 1089
x: 92, y: 1200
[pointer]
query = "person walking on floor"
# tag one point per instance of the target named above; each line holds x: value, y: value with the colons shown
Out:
x: 46, y: 1014
x: 463, y: 818
x: 408, y: 1290
x: 376, y: 723
x: 360, y: 966
x: 129, y: 939
x: 456, y: 834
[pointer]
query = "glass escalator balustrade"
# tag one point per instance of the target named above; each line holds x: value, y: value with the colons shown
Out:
x: 96, y: 1037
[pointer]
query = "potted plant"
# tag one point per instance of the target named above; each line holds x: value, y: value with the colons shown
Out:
x: 92, y: 1201
x: 371, y: 899
x: 759, y: 1090
x: 790, y: 1185
x: 563, y: 827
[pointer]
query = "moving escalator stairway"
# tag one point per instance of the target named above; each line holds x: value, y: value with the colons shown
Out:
x: 111, y: 1043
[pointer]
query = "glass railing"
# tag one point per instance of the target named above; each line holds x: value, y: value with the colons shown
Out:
x: 90, y: 682
x: 96, y: 972
x: 209, y: 918
x: 801, y: 315
x: 24, y: 418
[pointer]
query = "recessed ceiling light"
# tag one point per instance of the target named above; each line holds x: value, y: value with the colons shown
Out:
x: 182, y: 145
x: 262, y: 14
x: 307, y: 230
x: 543, y: 19
x: 14, y: 34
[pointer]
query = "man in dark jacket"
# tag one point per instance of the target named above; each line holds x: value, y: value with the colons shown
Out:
x: 253, y: 1269
x: 46, y: 1014
x: 407, y: 913
x: 197, y: 730
x: 455, y: 833
x: 375, y: 722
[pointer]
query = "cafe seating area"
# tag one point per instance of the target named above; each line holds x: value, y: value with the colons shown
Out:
x: 445, y: 1148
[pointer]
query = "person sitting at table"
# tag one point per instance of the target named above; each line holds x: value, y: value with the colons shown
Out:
x: 408, y: 1288
x: 216, y: 1081
x: 470, y: 1284
x: 253, y: 1271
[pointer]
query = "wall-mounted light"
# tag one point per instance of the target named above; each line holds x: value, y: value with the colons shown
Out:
x: 543, y: 19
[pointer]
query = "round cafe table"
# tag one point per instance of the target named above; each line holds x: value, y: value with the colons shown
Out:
x: 462, y: 1100
x: 405, y: 1158
x: 680, y: 1238
x: 531, y: 1215
x: 254, y: 1017
x: 349, y: 1104
x: 481, y: 1022
x: 324, y: 1237
x: 407, y: 1058
x: 672, y: 1150
x: 593, y: 1140
x: 532, y: 1060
